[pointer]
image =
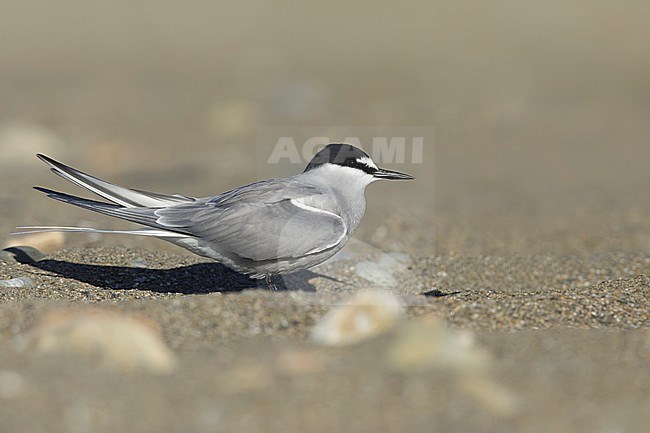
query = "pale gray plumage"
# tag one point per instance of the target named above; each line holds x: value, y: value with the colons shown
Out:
x: 268, y: 227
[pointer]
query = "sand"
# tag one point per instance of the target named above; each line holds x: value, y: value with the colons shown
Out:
x: 559, y: 338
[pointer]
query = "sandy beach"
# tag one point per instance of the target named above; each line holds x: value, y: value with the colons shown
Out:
x: 549, y: 336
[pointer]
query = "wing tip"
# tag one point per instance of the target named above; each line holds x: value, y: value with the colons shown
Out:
x: 44, y: 158
x: 43, y: 189
x: 55, y: 165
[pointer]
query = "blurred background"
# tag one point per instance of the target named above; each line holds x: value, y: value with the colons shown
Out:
x: 540, y: 110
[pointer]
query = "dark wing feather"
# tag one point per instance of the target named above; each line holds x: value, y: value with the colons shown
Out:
x: 117, y: 194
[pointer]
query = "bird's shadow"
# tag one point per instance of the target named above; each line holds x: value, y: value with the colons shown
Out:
x: 192, y: 279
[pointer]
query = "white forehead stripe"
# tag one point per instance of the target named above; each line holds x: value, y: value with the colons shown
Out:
x: 369, y: 162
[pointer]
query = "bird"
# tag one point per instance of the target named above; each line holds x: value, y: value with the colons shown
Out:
x: 263, y: 229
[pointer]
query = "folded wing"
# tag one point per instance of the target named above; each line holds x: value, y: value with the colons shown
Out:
x: 267, y: 220
x: 259, y: 231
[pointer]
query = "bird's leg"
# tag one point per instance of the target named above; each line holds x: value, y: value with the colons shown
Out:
x: 269, y: 282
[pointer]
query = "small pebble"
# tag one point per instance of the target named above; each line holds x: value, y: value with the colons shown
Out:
x: 425, y: 344
x: 301, y: 361
x: 245, y: 376
x: 381, y: 271
x: 366, y: 315
x: 428, y: 343
x: 117, y: 340
x: 20, y: 282
x: 48, y: 242
x: 21, y: 254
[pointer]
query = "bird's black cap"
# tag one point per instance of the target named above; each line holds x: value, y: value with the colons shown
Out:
x: 342, y: 154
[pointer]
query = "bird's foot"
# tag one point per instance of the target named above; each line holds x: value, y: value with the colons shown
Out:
x: 270, y: 284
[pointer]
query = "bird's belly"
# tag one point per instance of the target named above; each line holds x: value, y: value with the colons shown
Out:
x: 254, y: 268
